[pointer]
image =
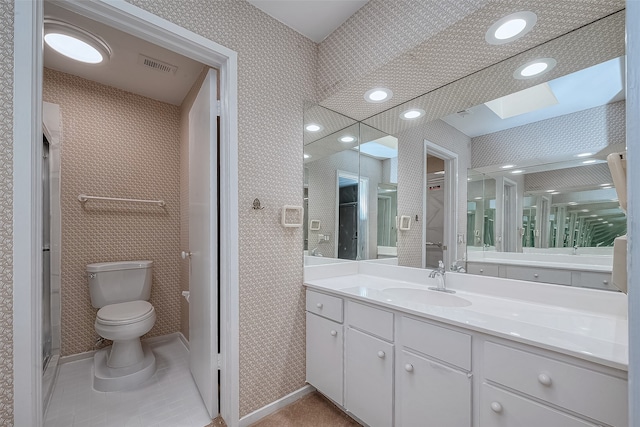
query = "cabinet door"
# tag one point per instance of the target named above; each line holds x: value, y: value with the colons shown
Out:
x: 499, y: 408
x: 369, y: 393
x: 431, y: 394
x: 324, y: 356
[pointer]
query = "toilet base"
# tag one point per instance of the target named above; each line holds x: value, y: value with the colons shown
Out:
x: 118, y: 379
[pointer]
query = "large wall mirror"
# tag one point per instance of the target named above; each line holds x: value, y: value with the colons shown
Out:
x: 526, y: 157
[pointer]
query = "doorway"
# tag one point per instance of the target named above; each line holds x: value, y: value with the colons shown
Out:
x: 28, y: 32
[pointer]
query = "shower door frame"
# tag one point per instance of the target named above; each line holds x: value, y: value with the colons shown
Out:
x: 27, y: 194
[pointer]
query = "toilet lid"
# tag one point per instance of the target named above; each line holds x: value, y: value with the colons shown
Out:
x: 125, y: 312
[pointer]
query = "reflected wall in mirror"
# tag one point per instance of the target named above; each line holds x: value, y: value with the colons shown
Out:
x: 475, y: 118
x: 351, y: 172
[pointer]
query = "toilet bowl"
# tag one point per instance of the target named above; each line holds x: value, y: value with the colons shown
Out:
x: 124, y: 324
x: 120, y: 290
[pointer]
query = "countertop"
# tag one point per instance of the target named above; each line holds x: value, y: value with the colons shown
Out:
x: 600, y: 264
x: 575, y: 326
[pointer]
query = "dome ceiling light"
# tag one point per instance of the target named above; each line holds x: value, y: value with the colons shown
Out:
x: 378, y: 95
x: 534, y: 68
x: 411, y: 114
x: 511, y: 27
x: 75, y: 43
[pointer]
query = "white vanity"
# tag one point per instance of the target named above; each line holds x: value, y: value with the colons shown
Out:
x: 497, y: 353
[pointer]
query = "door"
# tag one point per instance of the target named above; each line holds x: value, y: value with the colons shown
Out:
x: 324, y: 356
x: 203, y: 243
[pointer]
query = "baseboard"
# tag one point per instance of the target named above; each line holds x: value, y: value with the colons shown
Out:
x: 76, y: 357
x: 272, y: 407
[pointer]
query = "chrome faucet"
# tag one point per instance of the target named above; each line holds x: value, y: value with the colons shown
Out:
x: 314, y: 252
x: 439, y: 274
x: 575, y: 250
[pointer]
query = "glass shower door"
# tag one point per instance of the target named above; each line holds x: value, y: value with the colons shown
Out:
x: 46, y: 257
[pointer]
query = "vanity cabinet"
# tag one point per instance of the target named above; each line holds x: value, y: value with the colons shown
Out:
x: 587, y: 279
x: 369, y: 356
x: 325, y: 345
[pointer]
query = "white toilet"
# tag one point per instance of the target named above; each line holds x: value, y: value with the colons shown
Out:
x: 121, y: 291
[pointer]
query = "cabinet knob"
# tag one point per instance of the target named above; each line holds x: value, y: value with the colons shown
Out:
x: 408, y: 367
x: 319, y: 305
x: 496, y: 407
x: 334, y: 333
x: 482, y: 270
x: 605, y: 282
x: 536, y: 275
x: 544, y: 379
x: 381, y: 354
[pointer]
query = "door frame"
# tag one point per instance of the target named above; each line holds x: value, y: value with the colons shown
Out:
x: 450, y: 201
x: 27, y: 218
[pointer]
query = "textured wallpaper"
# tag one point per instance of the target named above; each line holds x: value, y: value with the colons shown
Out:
x: 576, y: 178
x: 584, y: 131
x: 411, y: 162
x: 6, y: 213
x: 276, y: 73
x: 117, y: 144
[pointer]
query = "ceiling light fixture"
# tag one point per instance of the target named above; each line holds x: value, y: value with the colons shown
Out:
x: 555, y: 193
x: 607, y: 184
x: 511, y: 27
x: 378, y: 95
x: 507, y: 166
x: 347, y: 139
x: 411, y: 114
x: 313, y: 127
x: 584, y: 154
x: 534, y: 68
x: 517, y: 171
x: 588, y: 162
x: 75, y: 43
x: 551, y: 191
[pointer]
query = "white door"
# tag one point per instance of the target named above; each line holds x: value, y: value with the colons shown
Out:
x: 203, y: 243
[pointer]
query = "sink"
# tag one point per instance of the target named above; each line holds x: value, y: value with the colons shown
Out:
x: 425, y: 296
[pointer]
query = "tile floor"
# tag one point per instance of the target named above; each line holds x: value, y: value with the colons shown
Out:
x: 169, y: 398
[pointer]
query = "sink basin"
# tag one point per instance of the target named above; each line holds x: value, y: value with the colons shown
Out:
x: 425, y: 296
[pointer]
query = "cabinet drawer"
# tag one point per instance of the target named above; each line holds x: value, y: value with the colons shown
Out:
x: 324, y: 305
x: 598, y: 396
x: 590, y: 279
x: 483, y: 269
x: 544, y: 275
x: 325, y: 341
x: 373, y: 320
x: 444, y: 344
x: 499, y: 408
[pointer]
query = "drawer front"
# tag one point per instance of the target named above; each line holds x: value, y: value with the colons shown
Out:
x: 589, y: 279
x: 544, y: 275
x: 324, y: 305
x: 444, y: 344
x: 373, y: 320
x: 598, y: 396
x: 499, y: 408
x: 325, y: 341
x: 483, y: 269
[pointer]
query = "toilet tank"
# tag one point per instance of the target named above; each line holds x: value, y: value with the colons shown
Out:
x: 116, y: 282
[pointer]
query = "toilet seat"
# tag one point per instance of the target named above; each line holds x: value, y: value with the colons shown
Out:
x: 125, y: 313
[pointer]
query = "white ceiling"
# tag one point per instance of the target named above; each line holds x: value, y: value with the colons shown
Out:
x: 315, y: 19
x: 123, y: 71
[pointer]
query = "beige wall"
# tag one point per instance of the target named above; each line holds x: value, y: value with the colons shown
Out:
x: 6, y: 213
x: 115, y: 143
x: 276, y: 72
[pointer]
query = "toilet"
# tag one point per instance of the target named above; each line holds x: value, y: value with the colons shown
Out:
x: 121, y: 291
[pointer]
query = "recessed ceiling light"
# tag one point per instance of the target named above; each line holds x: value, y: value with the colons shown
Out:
x: 572, y: 203
x: 600, y: 219
x: 75, y: 43
x: 593, y: 215
x: 551, y: 191
x: 507, y: 166
x: 347, y: 139
x: 585, y: 210
x: 468, y: 179
x: 584, y: 154
x: 306, y: 156
x: 608, y: 184
x: 478, y: 198
x: 555, y: 193
x: 313, y: 127
x: 377, y: 95
x: 534, y: 68
x: 610, y: 225
x: 510, y: 27
x: 607, y: 187
x: 605, y: 222
x: 411, y: 114
x: 587, y: 162
x: 517, y: 171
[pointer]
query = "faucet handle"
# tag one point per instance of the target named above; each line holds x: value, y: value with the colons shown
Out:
x: 441, y: 264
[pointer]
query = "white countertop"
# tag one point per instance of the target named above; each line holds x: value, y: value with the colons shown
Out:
x: 593, y: 263
x: 584, y: 323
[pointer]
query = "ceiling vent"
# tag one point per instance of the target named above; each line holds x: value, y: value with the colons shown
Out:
x: 157, y: 65
x: 464, y: 113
